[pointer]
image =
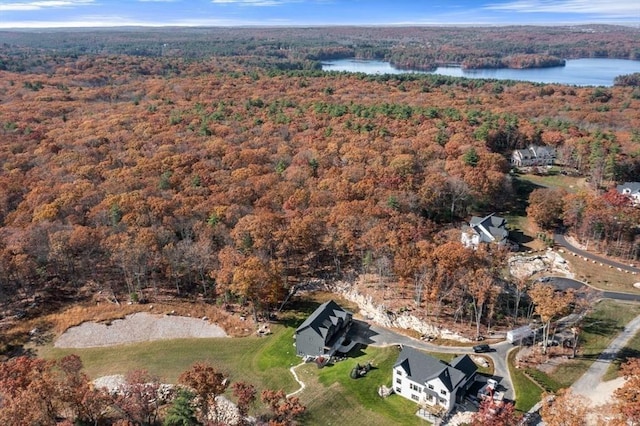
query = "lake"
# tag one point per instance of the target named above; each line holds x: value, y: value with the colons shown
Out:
x: 578, y: 72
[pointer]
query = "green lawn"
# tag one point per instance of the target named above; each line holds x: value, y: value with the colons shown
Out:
x: 555, y: 180
x: 527, y: 393
x: 263, y: 361
x: 334, y: 398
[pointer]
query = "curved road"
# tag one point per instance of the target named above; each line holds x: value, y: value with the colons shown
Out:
x: 562, y: 241
x: 563, y: 283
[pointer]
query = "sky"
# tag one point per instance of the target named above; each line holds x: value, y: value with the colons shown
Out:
x: 113, y: 13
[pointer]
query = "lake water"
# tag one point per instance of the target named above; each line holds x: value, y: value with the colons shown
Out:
x: 578, y: 72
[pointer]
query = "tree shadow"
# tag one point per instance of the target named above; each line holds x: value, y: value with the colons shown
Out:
x: 601, y: 327
x: 521, y: 238
x: 624, y: 355
x: 521, y: 190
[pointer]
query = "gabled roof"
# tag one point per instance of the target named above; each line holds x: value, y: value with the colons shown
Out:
x: 465, y: 364
x: 422, y: 368
x: 491, y: 228
x: 633, y: 187
x: 327, y: 314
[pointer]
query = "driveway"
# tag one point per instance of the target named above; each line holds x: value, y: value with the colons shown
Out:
x: 374, y: 335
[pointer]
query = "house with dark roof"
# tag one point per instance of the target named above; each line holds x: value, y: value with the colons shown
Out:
x: 488, y: 229
x: 535, y: 155
x: 324, y: 331
x: 429, y: 381
x: 631, y: 190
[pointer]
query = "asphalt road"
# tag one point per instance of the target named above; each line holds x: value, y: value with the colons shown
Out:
x: 562, y: 283
x: 562, y: 241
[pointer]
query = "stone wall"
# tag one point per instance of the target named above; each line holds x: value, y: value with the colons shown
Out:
x: 381, y: 315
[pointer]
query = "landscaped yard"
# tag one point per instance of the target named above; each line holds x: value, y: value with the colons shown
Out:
x: 527, y: 392
x: 331, y: 396
x: 554, y: 179
x: 334, y: 398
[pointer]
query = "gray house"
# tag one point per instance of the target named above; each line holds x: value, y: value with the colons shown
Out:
x: 488, y: 229
x: 324, y: 331
x: 429, y: 381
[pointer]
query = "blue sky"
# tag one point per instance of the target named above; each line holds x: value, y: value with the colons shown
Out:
x: 108, y: 13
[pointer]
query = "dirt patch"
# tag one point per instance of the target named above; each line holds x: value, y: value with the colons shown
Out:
x: 139, y: 327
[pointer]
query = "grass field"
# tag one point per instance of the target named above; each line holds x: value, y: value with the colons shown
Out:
x: 602, y: 277
x: 263, y: 361
x: 556, y: 180
x: 333, y: 398
x: 598, y: 329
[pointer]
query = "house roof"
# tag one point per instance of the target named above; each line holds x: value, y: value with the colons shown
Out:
x: 422, y: 368
x: 633, y: 187
x: 491, y: 228
x: 465, y: 364
x: 327, y: 314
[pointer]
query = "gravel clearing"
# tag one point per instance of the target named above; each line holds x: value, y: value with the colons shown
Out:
x: 139, y: 327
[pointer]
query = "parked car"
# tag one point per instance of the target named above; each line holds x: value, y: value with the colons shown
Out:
x: 481, y: 348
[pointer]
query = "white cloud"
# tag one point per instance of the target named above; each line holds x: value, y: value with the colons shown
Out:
x: 108, y: 21
x: 618, y: 8
x: 43, y: 4
x: 254, y: 2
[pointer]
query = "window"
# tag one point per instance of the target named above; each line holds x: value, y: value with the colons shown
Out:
x: 415, y: 397
x: 430, y: 398
x: 398, y: 380
x: 398, y: 390
x: 443, y: 392
x: 431, y: 387
x: 415, y: 387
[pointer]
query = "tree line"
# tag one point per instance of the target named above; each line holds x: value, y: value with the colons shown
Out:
x: 45, y: 392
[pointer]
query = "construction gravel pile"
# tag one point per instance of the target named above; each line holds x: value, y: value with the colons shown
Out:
x: 139, y: 327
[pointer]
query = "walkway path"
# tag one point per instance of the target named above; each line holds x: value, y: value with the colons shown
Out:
x: 295, y: 376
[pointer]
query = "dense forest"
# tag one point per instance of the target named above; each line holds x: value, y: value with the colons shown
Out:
x: 303, y: 48
x: 231, y: 177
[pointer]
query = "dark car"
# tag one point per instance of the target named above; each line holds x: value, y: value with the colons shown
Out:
x: 481, y: 349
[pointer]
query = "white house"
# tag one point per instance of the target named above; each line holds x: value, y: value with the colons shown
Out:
x: 535, y: 155
x: 488, y: 229
x: 429, y: 381
x: 631, y: 190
